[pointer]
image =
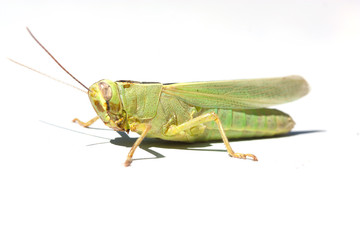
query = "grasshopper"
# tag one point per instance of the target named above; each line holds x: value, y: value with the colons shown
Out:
x: 194, y: 111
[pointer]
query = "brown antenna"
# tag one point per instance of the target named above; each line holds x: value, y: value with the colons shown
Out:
x: 55, y: 59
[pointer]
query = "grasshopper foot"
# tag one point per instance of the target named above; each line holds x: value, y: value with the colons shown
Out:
x: 244, y: 156
x: 128, y: 162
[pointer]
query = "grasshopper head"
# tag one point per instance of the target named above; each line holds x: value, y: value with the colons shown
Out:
x: 105, y: 99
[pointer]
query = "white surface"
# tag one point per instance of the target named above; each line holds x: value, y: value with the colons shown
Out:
x: 66, y: 182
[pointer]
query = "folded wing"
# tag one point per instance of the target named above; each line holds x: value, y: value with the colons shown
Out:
x: 240, y: 94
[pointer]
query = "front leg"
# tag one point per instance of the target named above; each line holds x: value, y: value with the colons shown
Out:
x: 207, y: 117
x: 85, y: 124
x: 136, y: 144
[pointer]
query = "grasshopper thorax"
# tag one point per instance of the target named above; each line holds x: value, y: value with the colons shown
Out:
x: 105, y: 99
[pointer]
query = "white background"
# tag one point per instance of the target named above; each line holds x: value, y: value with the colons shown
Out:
x: 61, y: 181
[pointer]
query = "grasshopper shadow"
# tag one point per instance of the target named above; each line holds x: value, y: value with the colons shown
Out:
x: 147, y: 143
x: 125, y: 141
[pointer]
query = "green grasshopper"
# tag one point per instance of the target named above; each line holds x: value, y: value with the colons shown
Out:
x: 195, y: 111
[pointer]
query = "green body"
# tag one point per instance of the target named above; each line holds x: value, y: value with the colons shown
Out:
x: 245, y: 123
x: 239, y: 104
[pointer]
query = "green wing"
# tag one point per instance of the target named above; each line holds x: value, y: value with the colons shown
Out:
x: 240, y: 94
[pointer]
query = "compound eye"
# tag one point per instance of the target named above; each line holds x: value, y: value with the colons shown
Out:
x: 105, y: 90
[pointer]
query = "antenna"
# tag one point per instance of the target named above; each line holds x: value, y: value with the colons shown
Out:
x: 55, y: 59
x: 46, y: 75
